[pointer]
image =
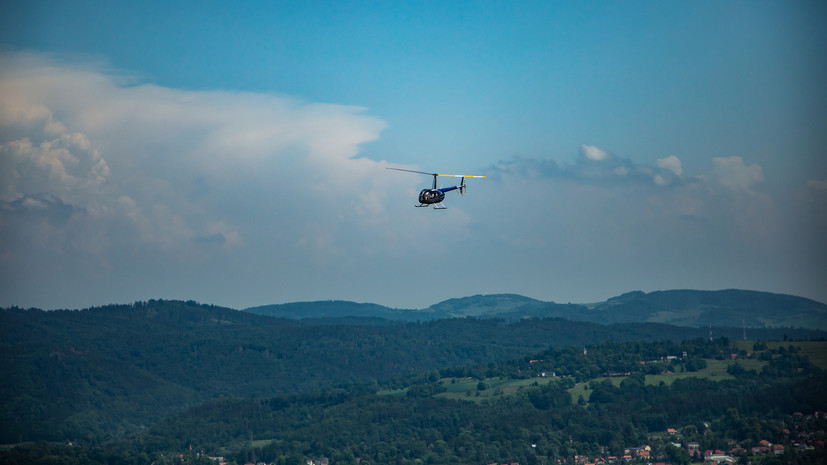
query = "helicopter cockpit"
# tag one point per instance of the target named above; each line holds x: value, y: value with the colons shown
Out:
x: 431, y: 196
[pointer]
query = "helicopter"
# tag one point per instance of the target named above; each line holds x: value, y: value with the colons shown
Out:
x: 434, y: 196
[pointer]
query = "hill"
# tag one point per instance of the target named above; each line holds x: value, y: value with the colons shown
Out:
x: 335, y: 309
x: 720, y: 308
x: 474, y: 416
x: 104, y: 372
x: 690, y: 308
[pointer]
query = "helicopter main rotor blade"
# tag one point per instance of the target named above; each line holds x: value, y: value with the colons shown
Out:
x: 412, y: 171
x: 436, y: 174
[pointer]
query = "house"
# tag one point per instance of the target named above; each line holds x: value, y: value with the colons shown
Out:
x: 778, y: 449
x: 640, y: 451
x: 672, y: 431
x: 719, y: 459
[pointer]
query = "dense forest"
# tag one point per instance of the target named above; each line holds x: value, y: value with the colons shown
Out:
x: 177, y: 381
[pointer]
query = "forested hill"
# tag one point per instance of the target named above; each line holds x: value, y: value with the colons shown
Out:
x: 737, y: 308
x: 105, y: 371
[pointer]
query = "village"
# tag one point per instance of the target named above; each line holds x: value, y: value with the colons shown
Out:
x: 664, y: 449
x: 795, y: 438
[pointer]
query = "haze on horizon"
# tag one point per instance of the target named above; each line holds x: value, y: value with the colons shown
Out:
x: 235, y: 154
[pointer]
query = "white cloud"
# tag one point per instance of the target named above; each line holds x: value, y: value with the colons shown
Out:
x: 611, y: 170
x: 671, y: 163
x: 733, y: 174
x: 62, y: 166
x: 172, y: 179
x: 593, y: 153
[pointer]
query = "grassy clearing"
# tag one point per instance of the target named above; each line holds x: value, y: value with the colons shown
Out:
x: 468, y: 389
x: 815, y: 350
x: 263, y: 442
x: 582, y: 389
x: 12, y: 446
x: 392, y: 392
x: 716, y: 370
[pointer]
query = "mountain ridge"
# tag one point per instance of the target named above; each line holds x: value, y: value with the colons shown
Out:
x: 680, y: 307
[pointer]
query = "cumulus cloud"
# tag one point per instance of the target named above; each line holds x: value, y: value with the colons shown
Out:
x: 733, y: 174
x: 156, y: 178
x: 597, y: 166
x: 593, y: 153
x: 671, y: 163
x: 64, y: 166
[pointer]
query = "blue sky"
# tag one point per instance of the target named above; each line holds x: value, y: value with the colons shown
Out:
x: 235, y: 154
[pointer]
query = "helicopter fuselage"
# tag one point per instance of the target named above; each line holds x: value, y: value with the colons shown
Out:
x: 432, y: 196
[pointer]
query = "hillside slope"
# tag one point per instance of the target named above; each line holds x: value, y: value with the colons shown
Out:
x: 105, y: 371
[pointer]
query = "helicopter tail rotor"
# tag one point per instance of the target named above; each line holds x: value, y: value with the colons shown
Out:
x: 462, y: 186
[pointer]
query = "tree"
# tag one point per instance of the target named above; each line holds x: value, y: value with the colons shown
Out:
x: 676, y: 455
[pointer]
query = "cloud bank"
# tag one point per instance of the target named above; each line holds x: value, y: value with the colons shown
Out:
x: 112, y: 190
x: 608, y: 221
x: 116, y: 180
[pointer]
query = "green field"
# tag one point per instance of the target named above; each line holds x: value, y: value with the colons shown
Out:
x: 716, y: 370
x: 582, y: 389
x: 467, y: 388
x: 815, y: 350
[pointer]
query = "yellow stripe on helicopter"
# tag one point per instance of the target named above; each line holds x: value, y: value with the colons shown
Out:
x: 460, y: 176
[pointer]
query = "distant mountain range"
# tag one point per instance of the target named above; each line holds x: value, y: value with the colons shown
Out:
x: 689, y: 308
